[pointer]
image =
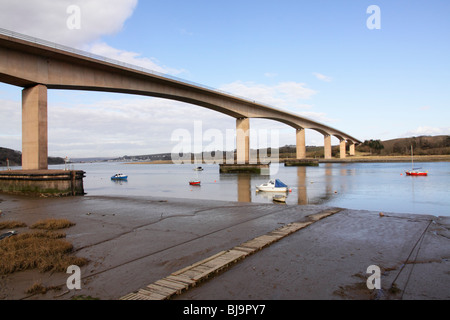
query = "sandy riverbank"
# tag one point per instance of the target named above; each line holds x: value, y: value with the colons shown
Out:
x: 132, y: 242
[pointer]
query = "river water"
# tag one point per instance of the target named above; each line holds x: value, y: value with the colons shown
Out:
x: 369, y: 186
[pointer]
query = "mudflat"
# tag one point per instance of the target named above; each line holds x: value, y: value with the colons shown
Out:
x: 131, y: 242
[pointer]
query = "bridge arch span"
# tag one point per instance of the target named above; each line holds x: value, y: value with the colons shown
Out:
x: 37, y: 66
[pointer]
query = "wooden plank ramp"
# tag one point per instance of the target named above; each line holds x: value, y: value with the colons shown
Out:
x: 183, y: 279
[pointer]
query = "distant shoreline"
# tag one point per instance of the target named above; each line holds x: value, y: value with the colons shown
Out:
x: 427, y: 158
x: 353, y: 159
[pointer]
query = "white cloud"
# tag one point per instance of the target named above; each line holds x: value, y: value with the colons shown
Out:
x: 322, y: 77
x: 125, y: 125
x: 287, y: 95
x: 136, y: 59
x: 427, y: 131
x: 11, y: 127
x: 47, y: 19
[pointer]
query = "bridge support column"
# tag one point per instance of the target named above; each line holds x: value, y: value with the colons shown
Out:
x: 327, y: 146
x: 352, y: 148
x: 34, y: 128
x: 342, y: 149
x: 301, y: 144
x: 243, y: 140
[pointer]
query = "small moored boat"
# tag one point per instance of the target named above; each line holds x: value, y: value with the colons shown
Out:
x: 194, y: 182
x: 415, y: 171
x: 198, y: 169
x: 273, y: 186
x: 119, y: 176
x: 279, y: 198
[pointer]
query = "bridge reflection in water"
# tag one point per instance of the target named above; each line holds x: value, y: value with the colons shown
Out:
x: 309, y: 186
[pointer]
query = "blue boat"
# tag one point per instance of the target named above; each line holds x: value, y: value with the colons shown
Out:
x: 119, y: 176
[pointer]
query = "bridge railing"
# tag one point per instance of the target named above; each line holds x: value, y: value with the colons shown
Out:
x: 61, y: 47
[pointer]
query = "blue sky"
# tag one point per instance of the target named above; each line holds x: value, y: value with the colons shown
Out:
x: 315, y: 58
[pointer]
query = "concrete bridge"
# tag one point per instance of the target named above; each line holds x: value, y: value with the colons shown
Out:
x: 38, y: 65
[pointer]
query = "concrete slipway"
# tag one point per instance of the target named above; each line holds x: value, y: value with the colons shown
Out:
x: 134, y: 242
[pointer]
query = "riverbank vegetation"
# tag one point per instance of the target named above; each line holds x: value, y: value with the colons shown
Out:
x: 43, y: 248
x: 424, y: 145
x: 14, y: 158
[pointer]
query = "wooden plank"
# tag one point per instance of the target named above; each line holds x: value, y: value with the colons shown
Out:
x: 139, y: 296
x: 244, y: 249
x: 222, y: 261
x: 201, y: 268
x: 255, y: 244
x: 159, y: 289
x: 191, y: 274
x: 129, y: 296
x: 154, y: 295
x: 323, y: 214
x: 171, y: 284
x: 182, y: 279
x: 198, y: 263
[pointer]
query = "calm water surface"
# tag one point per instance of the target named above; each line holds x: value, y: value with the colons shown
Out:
x: 371, y: 186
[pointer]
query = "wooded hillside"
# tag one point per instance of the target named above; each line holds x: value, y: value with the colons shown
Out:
x: 15, y: 158
x: 423, y: 145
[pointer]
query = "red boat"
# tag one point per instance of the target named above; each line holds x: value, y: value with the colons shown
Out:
x: 416, y: 173
x: 194, y: 183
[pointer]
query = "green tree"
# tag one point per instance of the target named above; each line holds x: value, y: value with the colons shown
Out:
x: 375, y: 145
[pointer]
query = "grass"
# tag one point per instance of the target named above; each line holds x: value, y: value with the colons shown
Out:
x: 42, y: 249
x: 11, y: 225
x: 38, y: 288
x: 52, y: 224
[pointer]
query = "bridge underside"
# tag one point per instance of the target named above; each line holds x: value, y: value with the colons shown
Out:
x: 35, y: 133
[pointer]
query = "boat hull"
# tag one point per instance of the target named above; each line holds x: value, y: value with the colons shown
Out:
x: 416, y: 174
x: 194, y: 183
x: 271, y: 189
x: 273, y: 186
x: 119, y: 178
x: 278, y: 198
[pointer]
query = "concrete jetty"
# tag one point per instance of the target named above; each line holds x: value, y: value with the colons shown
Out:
x: 43, y: 182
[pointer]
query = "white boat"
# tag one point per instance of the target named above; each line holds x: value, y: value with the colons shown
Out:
x: 198, y: 169
x: 273, y: 186
x: 279, y: 198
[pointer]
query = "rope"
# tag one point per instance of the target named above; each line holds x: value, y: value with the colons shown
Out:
x: 422, y: 236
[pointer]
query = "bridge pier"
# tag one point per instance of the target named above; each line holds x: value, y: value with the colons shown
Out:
x: 301, y: 144
x: 243, y: 140
x: 34, y: 128
x: 342, y: 149
x: 352, y: 148
x: 35, y: 178
x: 327, y: 146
